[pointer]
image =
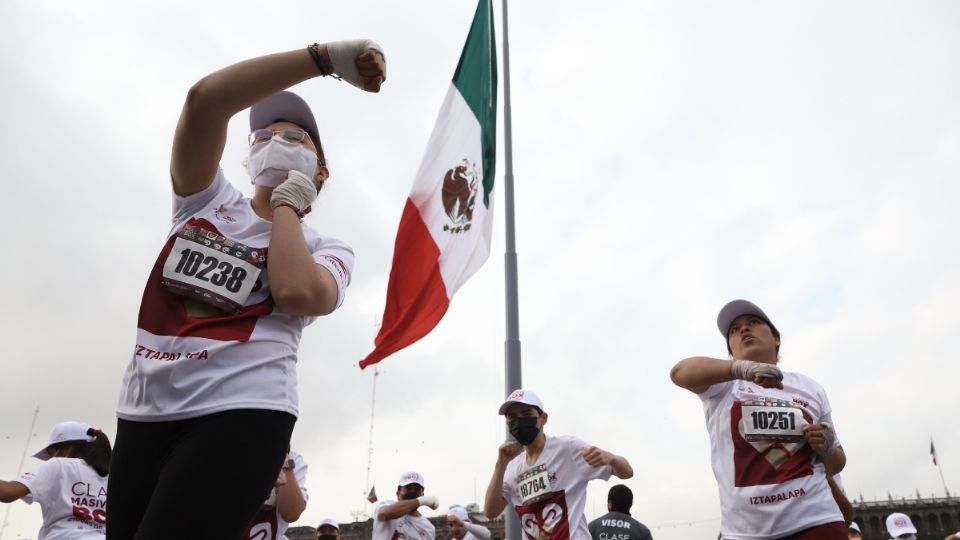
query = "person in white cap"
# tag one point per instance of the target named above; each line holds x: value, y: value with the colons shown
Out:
x: 329, y: 529
x: 900, y: 527
x: 235, y: 283
x: 401, y: 518
x: 71, y: 486
x: 545, y: 478
x: 286, y: 502
x: 771, y: 434
x: 461, y: 528
x: 853, y: 531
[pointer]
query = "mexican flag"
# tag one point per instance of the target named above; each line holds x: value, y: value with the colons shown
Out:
x: 933, y: 452
x: 445, y: 229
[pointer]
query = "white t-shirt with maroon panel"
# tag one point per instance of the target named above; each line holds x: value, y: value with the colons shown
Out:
x: 550, y: 494
x: 770, y: 482
x: 268, y: 524
x: 191, y: 362
x: 405, y: 527
x: 72, y: 498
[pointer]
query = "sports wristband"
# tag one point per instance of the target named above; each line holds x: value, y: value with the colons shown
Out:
x: 290, y: 206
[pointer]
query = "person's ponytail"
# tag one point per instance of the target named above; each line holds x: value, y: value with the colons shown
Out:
x: 97, y: 453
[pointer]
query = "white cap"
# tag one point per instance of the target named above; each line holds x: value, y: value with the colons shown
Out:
x: 460, y: 513
x: 411, y: 477
x: 65, y: 432
x: 329, y: 523
x: 527, y: 397
x: 898, y: 524
x: 854, y: 527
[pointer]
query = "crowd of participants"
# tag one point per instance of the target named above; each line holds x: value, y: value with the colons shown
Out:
x: 543, y: 478
x: 210, y: 389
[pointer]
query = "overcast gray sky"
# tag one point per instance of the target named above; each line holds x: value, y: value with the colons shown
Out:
x: 669, y: 157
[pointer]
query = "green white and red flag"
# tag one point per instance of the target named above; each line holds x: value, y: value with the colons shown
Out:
x: 933, y: 452
x: 444, y: 233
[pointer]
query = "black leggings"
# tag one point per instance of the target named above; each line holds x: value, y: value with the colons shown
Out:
x: 203, y: 477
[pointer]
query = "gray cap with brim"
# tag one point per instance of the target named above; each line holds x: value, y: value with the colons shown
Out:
x: 736, y: 308
x: 284, y: 106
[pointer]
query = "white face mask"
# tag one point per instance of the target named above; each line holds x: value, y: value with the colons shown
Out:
x: 269, y: 162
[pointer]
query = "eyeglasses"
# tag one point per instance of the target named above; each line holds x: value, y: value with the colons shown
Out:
x: 293, y: 135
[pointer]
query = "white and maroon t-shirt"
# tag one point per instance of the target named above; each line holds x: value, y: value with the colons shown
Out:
x: 770, y: 483
x: 72, y: 497
x: 549, y: 495
x: 268, y: 524
x: 228, y: 347
x: 405, y: 527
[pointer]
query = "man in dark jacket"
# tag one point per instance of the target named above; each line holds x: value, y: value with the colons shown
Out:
x: 617, y: 523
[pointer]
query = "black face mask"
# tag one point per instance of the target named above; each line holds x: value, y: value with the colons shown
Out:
x: 524, y: 429
x: 410, y: 495
x: 327, y: 537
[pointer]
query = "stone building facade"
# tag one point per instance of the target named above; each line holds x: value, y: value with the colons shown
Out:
x: 935, y: 518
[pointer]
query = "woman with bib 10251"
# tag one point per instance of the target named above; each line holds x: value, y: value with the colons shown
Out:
x: 771, y: 435
x: 209, y: 398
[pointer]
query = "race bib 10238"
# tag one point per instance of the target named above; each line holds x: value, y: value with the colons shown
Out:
x: 211, y: 268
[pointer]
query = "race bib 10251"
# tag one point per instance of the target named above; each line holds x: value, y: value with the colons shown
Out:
x: 212, y: 268
x: 766, y: 420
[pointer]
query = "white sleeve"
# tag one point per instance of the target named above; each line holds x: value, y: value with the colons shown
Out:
x: 189, y: 205
x: 509, y: 490
x: 376, y: 510
x: 575, y: 445
x: 479, y: 531
x: 337, y: 258
x: 300, y: 472
x: 827, y: 417
x: 715, y: 390
x: 40, y: 482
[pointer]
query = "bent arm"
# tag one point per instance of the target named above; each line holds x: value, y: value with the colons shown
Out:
x: 12, y: 491
x: 290, y: 501
x: 621, y: 468
x: 835, y: 462
x: 493, y: 501
x: 846, y: 508
x: 397, y: 509
x: 202, y: 129
x: 698, y: 373
x: 298, y: 285
x: 479, y: 531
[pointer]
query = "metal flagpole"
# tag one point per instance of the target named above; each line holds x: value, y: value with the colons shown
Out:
x: 933, y: 453
x: 373, y: 408
x: 23, y: 456
x: 512, y: 343
x: 945, y: 490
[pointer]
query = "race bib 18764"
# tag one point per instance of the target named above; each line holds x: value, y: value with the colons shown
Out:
x: 212, y: 268
x: 533, y: 484
x: 772, y: 420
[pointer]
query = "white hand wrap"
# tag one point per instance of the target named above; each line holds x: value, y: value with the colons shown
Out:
x: 749, y: 370
x: 829, y: 438
x: 429, y: 500
x: 343, y: 56
x: 298, y: 190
